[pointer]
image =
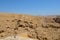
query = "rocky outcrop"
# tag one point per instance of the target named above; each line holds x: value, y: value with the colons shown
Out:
x: 34, y: 27
x: 57, y: 19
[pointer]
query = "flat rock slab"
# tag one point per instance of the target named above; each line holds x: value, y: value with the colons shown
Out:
x: 17, y: 38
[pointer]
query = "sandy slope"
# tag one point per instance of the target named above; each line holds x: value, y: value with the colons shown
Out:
x: 35, y: 27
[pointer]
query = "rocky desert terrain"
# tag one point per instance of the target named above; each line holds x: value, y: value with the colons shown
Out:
x: 28, y: 26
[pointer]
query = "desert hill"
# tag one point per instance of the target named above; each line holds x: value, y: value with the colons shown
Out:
x: 28, y: 26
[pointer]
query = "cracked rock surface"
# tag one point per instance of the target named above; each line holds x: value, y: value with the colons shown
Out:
x: 35, y: 27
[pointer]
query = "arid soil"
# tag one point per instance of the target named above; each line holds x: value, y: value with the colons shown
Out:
x: 28, y: 26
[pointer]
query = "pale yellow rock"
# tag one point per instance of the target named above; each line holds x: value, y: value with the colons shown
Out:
x: 17, y: 38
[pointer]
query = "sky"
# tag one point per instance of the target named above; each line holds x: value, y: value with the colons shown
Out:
x: 32, y: 7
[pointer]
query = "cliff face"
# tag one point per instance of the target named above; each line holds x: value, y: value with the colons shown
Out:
x: 35, y: 27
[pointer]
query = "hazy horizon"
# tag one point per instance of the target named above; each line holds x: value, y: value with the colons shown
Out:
x: 32, y: 7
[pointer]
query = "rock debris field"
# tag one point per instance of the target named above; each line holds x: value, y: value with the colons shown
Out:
x: 29, y: 27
